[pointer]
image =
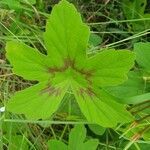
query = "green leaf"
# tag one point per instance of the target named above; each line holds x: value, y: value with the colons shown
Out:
x: 100, y: 108
x: 27, y: 62
x: 89, y: 145
x: 137, y: 99
x: 134, y: 9
x: 70, y: 106
x: 95, y: 39
x: 96, y: 129
x: 76, y: 137
x: 146, y: 136
x: 76, y: 141
x: 67, y: 67
x: 132, y: 87
x: 56, y: 145
x: 38, y: 101
x: 110, y: 67
x: 17, y: 142
x: 12, y: 4
x: 66, y: 35
x: 142, y: 51
x: 144, y: 146
x: 16, y: 5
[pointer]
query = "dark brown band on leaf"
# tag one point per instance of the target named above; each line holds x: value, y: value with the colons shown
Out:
x: 51, y: 90
x: 68, y: 63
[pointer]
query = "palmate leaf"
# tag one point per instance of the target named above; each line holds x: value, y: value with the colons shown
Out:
x: 66, y: 66
x: 76, y: 141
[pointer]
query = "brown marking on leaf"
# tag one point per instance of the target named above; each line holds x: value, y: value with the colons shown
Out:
x: 88, y: 80
x: 51, y: 90
x: 86, y: 91
x: 58, y: 92
x: 47, y: 89
x: 90, y: 92
x: 82, y: 92
x: 68, y: 63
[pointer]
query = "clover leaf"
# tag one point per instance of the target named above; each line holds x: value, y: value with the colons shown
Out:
x: 76, y: 141
x: 67, y: 67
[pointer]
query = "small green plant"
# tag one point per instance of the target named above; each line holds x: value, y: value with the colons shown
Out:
x: 135, y: 10
x: 67, y: 68
x: 76, y: 141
